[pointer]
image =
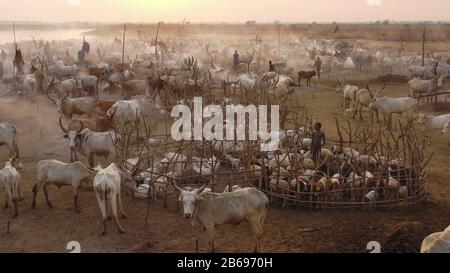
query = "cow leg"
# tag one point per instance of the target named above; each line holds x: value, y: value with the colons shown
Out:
x: 76, y: 205
x: 360, y: 113
x: 119, y: 202
x: 114, y: 212
x: 6, y: 202
x: 45, y: 188
x: 14, y: 205
x: 256, y: 225
x: 210, y: 231
x: 165, y: 198
x: 35, y: 191
x: 13, y: 202
x: 102, y: 204
x: 91, y: 160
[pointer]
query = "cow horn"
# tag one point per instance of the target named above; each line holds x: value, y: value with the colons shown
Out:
x: 62, y: 127
x: 66, y: 96
x: 50, y: 98
x: 202, y: 188
x: 174, y: 184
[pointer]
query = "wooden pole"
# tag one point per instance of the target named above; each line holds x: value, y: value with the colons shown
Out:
x: 123, y: 45
x: 156, y: 40
x: 423, y: 46
x: 279, y: 41
x: 15, y: 47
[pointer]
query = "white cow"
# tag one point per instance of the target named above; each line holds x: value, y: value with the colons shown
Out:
x: 89, y: 143
x: 349, y: 93
x: 107, y: 187
x: 418, y: 87
x: 438, y: 242
x: 431, y: 122
x: 62, y: 88
x: 8, y: 137
x: 29, y: 84
x: 11, y: 181
x: 61, y: 71
x: 389, y: 106
x: 209, y: 210
x: 54, y: 172
x: 126, y: 111
x: 363, y: 99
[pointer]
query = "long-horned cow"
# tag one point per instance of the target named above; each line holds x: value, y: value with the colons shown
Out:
x: 89, y: 143
x: 209, y: 210
x: 348, y: 91
x: 68, y: 107
x: 54, y: 172
x: 107, y: 185
x: 389, y: 106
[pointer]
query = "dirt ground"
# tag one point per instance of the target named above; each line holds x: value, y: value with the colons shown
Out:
x: 286, y: 230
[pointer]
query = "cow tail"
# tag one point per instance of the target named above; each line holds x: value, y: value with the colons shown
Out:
x: 106, y: 191
x: 15, y: 145
x: 263, y: 217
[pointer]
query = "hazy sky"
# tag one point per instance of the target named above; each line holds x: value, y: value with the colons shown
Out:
x: 224, y: 10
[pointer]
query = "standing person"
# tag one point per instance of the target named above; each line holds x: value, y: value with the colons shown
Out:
x: 336, y: 29
x: 19, y: 62
x: 318, y: 66
x: 271, y: 67
x: 317, y: 142
x: 3, y: 55
x: 1, y: 72
x: 236, y: 60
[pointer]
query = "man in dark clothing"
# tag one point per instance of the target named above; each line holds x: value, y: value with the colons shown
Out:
x: 1, y: 71
x: 19, y: 62
x: 236, y: 60
x: 271, y: 67
x: 3, y: 55
x: 336, y: 29
x: 318, y: 66
x: 317, y: 142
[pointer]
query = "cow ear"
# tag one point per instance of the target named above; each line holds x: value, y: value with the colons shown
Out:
x: 199, y: 200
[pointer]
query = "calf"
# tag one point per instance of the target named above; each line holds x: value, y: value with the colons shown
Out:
x: 306, y: 75
x: 54, y: 172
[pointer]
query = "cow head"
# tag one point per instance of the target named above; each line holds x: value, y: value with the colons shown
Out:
x: 189, y: 198
x: 73, y: 136
x: 421, y: 118
x: 15, y: 162
x: 340, y: 86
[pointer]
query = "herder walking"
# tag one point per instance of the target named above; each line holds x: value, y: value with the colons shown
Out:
x: 318, y: 66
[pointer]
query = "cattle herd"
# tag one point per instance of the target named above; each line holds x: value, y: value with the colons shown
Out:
x: 114, y: 112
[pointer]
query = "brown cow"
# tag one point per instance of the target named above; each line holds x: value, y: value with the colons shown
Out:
x: 99, y: 124
x: 100, y: 108
x: 100, y: 73
x: 306, y: 75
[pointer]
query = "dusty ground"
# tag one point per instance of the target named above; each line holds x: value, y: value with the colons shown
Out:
x: 49, y: 230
